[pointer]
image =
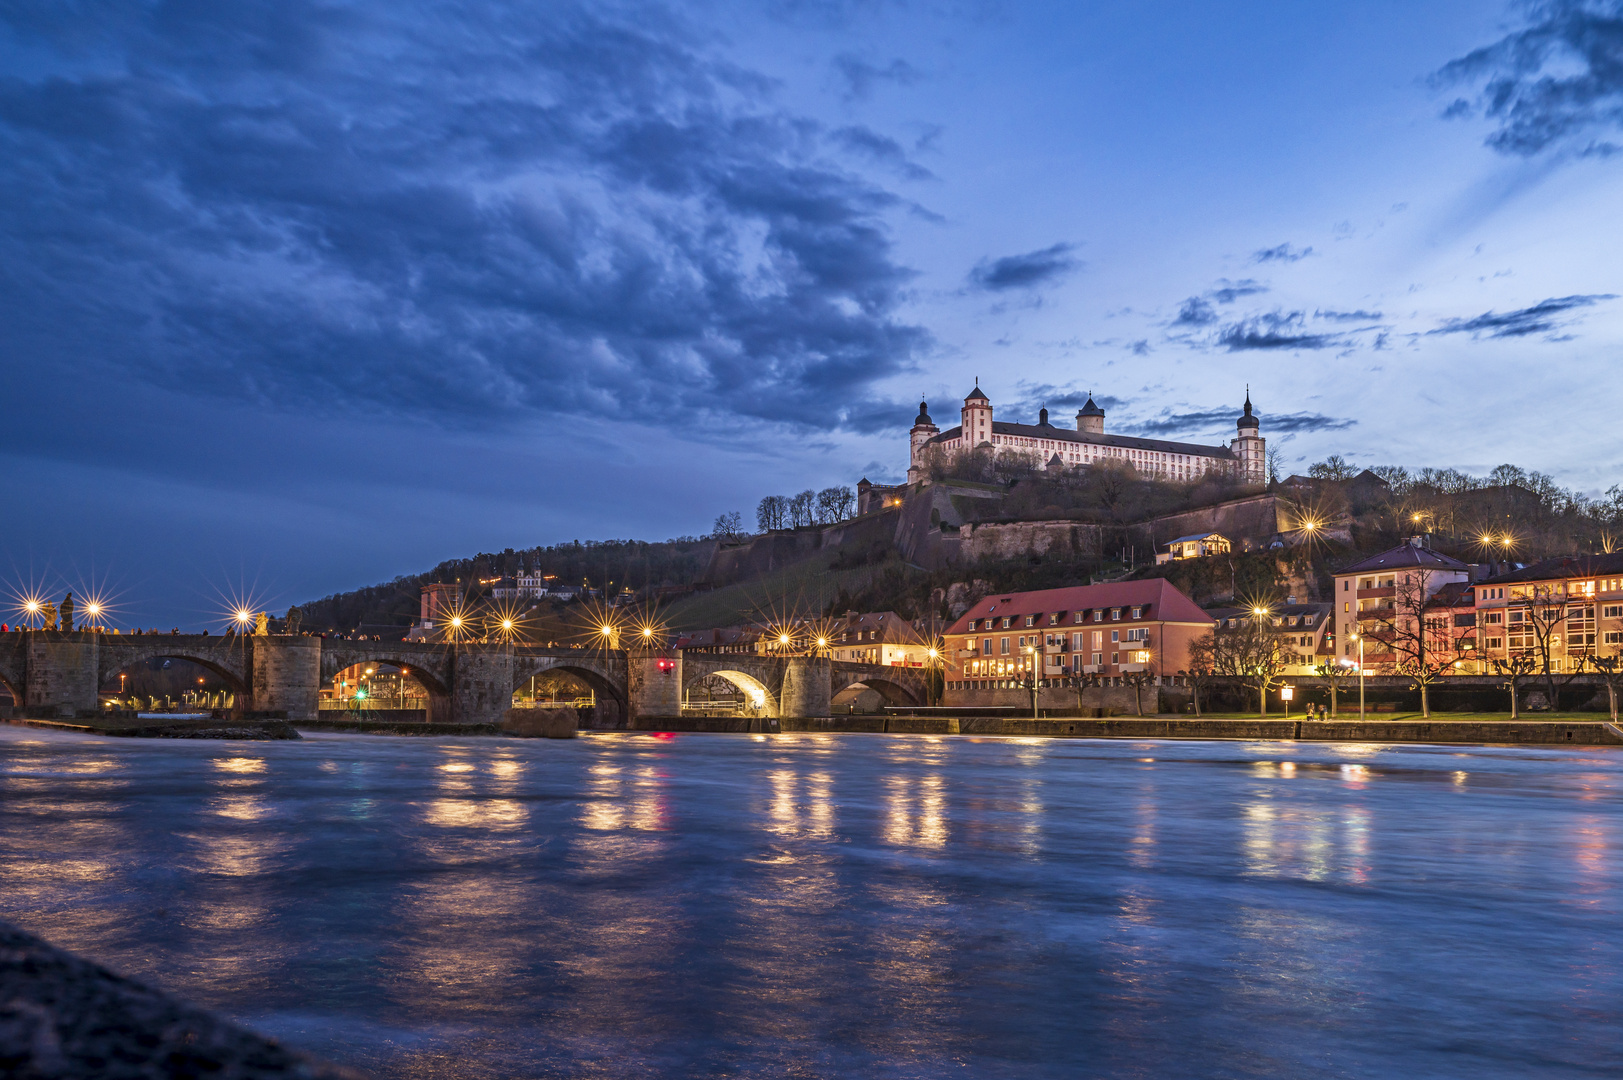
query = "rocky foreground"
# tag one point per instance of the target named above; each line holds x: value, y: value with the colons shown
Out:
x: 61, y: 1016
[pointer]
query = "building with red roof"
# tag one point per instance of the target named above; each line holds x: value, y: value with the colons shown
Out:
x: 1006, y: 639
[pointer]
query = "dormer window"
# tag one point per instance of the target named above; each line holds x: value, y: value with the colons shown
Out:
x: 1138, y: 613
x: 1077, y: 617
x: 1031, y: 620
x: 1053, y: 619
x: 1098, y: 615
x: 1115, y: 614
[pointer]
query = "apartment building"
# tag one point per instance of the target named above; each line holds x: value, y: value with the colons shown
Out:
x: 1571, y: 604
x: 1005, y: 640
x: 1383, y: 595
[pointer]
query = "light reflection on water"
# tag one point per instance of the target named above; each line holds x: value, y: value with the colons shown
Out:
x: 833, y: 905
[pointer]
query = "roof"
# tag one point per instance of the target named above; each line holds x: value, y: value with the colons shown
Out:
x: 1404, y: 555
x: 1247, y: 419
x: 1454, y: 594
x: 1562, y: 567
x: 976, y: 393
x: 1090, y: 409
x: 1036, y: 431
x: 924, y: 415
x: 893, y: 629
x: 1196, y: 536
x: 1163, y: 601
x: 1317, y: 611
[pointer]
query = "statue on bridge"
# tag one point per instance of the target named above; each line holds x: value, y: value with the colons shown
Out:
x: 47, y: 615
x: 293, y: 619
x: 67, y: 611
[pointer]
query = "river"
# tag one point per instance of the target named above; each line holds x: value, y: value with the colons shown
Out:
x: 845, y: 905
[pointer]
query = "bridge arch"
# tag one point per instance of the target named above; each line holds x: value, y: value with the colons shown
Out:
x: 609, y: 692
x: 114, y: 663
x: 893, y: 693
x: 12, y: 685
x: 439, y: 695
x: 757, y: 695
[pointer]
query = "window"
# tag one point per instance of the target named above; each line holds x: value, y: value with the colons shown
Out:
x: 971, y: 626
x: 1031, y: 620
x: 1614, y: 637
x: 1138, y: 613
x: 1003, y: 646
x: 1076, y: 641
x: 1006, y: 621
x: 1115, y: 636
x: 1346, y: 607
x: 1053, y: 620
x: 1098, y: 615
x: 1077, y: 616
x: 1493, y: 618
x: 1346, y: 583
x: 1612, y: 611
x: 986, y: 646
x: 1115, y: 614
x: 1496, y: 643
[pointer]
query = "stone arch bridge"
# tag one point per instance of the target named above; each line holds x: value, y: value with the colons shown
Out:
x: 54, y: 674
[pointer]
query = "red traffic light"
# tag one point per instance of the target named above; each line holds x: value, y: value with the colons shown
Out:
x: 666, y: 664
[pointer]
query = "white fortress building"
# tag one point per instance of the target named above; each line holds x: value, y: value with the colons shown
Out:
x: 1245, y: 458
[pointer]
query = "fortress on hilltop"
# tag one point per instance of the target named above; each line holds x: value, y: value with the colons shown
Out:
x: 1061, y: 448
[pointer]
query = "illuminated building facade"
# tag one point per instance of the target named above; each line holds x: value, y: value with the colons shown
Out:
x: 1245, y: 458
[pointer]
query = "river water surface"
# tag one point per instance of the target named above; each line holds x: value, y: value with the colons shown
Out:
x: 846, y: 905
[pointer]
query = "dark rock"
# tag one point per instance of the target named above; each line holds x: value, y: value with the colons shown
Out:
x: 258, y: 732
x: 61, y: 1016
x: 541, y: 723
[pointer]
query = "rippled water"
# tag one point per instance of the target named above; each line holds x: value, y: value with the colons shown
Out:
x: 845, y: 905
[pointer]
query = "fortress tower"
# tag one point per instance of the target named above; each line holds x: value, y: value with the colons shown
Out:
x: 977, y: 418
x: 924, y: 430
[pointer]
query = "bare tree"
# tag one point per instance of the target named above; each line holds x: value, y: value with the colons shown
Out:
x: 1138, y: 680
x: 1516, y: 668
x: 1253, y: 652
x: 1611, y: 670
x: 803, y: 509
x: 1332, y: 672
x: 1334, y: 467
x: 729, y: 526
x: 1202, y: 667
x: 1423, y: 645
x: 772, y: 513
x: 1543, y: 624
x: 834, y: 504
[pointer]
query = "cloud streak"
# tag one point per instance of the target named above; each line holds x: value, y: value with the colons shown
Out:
x: 1541, y: 318
x: 1028, y: 271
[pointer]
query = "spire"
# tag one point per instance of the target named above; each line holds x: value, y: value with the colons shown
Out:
x: 1248, y: 419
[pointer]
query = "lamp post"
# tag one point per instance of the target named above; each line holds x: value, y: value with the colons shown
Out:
x: 1360, y: 639
x: 1031, y: 666
x: 929, y: 676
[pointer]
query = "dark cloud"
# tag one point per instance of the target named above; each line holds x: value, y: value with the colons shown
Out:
x: 462, y: 212
x: 1195, y: 312
x: 1140, y: 347
x: 1558, y: 78
x: 1025, y: 271
x: 861, y: 76
x: 879, y: 148
x: 1540, y: 318
x: 1273, y: 330
x: 1282, y: 253
x: 1193, y: 423
x: 1229, y: 291
x: 1347, y: 316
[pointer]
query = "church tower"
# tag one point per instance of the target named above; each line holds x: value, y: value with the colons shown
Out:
x: 924, y: 430
x: 1250, y: 447
x: 977, y: 418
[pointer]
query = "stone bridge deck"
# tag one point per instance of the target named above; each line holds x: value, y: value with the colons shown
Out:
x: 52, y: 673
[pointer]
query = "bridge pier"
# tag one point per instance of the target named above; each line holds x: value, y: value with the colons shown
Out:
x: 64, y: 673
x: 806, y: 687
x: 287, y: 676
x: 481, y: 683
x: 653, y: 690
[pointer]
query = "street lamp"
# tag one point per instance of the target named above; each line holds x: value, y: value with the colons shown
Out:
x: 1031, y: 668
x: 1360, y: 639
x: 934, y: 654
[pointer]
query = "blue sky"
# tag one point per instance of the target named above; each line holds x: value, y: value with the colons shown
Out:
x: 299, y: 296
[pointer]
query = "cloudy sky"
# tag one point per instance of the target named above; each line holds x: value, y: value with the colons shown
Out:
x: 296, y: 295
